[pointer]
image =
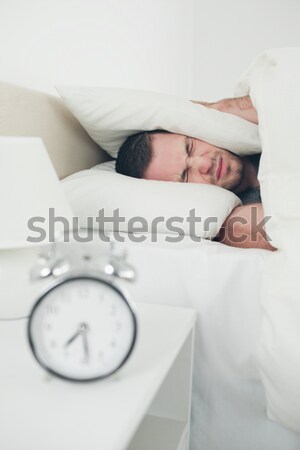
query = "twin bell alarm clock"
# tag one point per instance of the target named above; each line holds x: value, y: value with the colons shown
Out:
x: 83, y: 326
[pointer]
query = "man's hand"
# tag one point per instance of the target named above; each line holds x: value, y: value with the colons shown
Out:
x: 244, y: 228
x: 240, y: 106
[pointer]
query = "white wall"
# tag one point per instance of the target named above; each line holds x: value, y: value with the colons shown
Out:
x: 193, y: 48
x: 230, y: 33
x: 127, y: 43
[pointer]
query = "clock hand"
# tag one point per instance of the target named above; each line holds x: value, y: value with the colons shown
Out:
x: 72, y: 338
x: 82, y: 329
x: 85, y: 345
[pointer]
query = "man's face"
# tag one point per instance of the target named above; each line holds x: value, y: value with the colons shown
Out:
x: 181, y: 158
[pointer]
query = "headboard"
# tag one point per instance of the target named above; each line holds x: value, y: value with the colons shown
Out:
x: 25, y: 112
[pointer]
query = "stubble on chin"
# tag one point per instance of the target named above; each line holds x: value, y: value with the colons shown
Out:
x: 235, y: 173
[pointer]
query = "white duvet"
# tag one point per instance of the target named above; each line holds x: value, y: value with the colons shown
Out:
x: 273, y: 83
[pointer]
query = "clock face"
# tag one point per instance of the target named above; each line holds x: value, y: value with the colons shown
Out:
x: 82, y: 329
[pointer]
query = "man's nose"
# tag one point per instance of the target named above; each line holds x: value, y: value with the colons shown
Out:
x: 203, y: 164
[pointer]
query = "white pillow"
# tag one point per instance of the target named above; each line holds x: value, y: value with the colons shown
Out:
x: 101, y: 187
x: 110, y: 115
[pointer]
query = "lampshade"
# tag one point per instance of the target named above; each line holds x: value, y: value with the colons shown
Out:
x: 29, y: 189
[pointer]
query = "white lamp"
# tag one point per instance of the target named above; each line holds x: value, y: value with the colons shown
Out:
x: 29, y: 188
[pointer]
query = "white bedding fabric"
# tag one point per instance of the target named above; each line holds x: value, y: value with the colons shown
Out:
x: 223, y: 285
x: 110, y: 115
x: 141, y: 203
x: 273, y: 82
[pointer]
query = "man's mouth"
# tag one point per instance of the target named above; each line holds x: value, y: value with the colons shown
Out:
x: 219, y: 168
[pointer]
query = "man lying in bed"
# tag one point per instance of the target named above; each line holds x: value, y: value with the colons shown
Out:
x: 164, y: 156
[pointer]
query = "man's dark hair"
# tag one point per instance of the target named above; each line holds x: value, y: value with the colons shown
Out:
x: 135, y: 154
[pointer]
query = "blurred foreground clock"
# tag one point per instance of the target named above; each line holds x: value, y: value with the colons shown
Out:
x: 83, y: 327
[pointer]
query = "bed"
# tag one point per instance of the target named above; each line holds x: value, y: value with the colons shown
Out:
x: 223, y: 284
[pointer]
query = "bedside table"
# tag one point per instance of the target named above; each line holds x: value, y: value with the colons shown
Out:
x: 145, y: 406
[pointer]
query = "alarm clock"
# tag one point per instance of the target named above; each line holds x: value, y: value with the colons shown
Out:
x: 83, y: 327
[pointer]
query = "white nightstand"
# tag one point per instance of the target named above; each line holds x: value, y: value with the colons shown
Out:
x: 146, y: 406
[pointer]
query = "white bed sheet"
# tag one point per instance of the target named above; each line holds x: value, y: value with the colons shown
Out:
x: 223, y: 285
x: 273, y: 82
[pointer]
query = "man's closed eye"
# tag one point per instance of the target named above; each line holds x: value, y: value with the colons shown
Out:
x: 188, y: 150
